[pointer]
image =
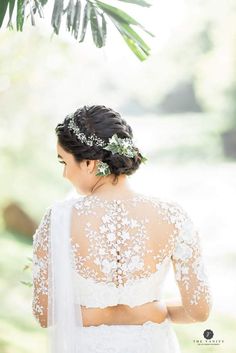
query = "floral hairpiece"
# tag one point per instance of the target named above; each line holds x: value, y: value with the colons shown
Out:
x: 91, y: 140
x: 121, y: 146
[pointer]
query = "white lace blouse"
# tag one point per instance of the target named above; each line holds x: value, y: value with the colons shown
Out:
x: 121, y: 251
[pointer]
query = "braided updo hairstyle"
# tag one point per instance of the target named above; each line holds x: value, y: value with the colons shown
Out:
x: 104, y: 122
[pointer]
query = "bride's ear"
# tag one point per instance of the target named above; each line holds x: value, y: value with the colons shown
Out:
x: 84, y: 165
x: 91, y: 165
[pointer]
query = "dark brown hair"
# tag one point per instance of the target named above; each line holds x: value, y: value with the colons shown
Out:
x: 104, y: 122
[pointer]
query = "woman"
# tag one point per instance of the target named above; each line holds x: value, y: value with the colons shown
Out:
x: 100, y: 260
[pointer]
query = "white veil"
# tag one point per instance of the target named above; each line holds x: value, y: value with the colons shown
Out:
x: 64, y: 316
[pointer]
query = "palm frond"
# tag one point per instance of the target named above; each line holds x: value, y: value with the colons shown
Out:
x: 77, y: 18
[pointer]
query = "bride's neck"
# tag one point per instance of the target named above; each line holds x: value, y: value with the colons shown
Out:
x: 105, y: 188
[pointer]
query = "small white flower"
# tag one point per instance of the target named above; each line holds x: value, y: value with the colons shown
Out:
x: 187, y: 232
x: 125, y: 221
x: 133, y: 223
x: 111, y: 227
x: 36, y: 271
x: 102, y: 251
x: 103, y: 228
x: 97, y: 261
x: 111, y: 236
x: 113, y: 252
x: 103, y: 169
x: 184, y: 270
x: 123, y: 267
x: 136, y: 247
x: 106, y: 219
x: 178, y: 272
x: 125, y: 235
x: 182, y: 252
x: 127, y: 253
x: 199, y: 269
x: 134, y: 262
x: 140, y: 265
x: 108, y: 265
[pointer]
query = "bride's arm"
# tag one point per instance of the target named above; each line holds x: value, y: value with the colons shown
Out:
x: 177, y: 313
x: 40, y: 270
x: 192, y: 280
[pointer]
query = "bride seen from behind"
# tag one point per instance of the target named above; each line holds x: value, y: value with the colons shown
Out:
x: 95, y: 145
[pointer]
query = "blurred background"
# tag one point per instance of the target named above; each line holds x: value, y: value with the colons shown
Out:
x: 181, y: 105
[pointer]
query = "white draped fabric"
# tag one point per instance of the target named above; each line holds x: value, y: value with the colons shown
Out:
x: 64, y: 315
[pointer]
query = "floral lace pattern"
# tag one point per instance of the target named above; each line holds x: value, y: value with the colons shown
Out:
x: 116, y: 247
x: 121, y: 251
x: 40, y: 266
x: 187, y: 257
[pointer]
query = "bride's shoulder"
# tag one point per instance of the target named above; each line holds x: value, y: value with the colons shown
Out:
x: 171, y: 209
x: 162, y: 201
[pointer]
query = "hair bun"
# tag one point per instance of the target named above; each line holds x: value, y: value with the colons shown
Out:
x: 104, y: 123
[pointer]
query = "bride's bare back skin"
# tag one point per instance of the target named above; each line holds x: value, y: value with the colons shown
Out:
x: 125, y: 315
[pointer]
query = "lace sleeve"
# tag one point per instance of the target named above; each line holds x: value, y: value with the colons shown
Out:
x: 40, y: 269
x: 189, y: 268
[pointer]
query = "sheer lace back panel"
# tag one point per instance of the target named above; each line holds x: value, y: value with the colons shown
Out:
x: 121, y: 251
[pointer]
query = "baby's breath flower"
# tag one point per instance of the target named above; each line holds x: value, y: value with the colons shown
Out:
x: 121, y: 146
